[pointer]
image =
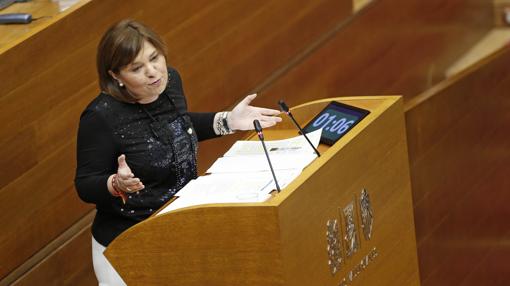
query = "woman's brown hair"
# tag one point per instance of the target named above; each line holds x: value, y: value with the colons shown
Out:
x: 118, y: 48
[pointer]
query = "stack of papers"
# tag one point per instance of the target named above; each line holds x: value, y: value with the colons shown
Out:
x: 242, y: 175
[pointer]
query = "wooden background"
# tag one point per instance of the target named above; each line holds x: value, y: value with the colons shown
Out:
x: 296, y: 50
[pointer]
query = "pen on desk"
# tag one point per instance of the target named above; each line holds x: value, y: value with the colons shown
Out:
x: 283, y: 148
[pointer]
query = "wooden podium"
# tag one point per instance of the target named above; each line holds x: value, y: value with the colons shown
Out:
x: 320, y: 230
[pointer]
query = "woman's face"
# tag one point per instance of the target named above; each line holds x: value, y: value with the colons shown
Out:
x: 146, y: 77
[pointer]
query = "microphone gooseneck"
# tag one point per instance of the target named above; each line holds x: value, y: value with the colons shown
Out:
x: 258, y: 128
x: 285, y: 108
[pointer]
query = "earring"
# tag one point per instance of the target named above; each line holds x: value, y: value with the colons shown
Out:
x: 121, y: 84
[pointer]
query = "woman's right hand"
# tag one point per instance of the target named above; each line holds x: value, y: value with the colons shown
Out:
x: 126, y: 180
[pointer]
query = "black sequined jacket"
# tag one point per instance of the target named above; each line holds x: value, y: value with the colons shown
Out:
x: 159, y: 140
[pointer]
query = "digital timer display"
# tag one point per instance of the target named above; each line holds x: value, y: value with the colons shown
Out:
x: 335, y: 120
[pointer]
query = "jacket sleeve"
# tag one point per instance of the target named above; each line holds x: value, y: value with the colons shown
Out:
x: 203, y: 124
x: 96, y: 158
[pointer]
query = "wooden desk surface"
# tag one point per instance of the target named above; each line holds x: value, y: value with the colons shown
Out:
x: 45, y: 12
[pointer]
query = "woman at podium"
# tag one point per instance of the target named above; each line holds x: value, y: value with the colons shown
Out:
x: 137, y: 142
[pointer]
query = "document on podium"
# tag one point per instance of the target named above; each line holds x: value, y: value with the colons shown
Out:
x: 242, y: 175
x: 248, y: 156
x: 229, y: 188
x: 295, y: 145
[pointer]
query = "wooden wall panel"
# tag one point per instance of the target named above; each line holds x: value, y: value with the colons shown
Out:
x: 68, y: 265
x: 42, y: 204
x: 392, y: 47
x: 459, y: 170
x: 233, y: 64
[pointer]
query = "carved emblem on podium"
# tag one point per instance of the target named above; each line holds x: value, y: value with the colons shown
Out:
x: 351, y: 234
x: 334, y: 246
x: 367, y: 217
x: 344, y: 242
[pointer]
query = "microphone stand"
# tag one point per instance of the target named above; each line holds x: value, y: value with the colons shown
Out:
x: 258, y: 128
x: 285, y: 109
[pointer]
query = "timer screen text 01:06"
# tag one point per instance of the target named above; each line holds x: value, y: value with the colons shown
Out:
x: 335, y: 120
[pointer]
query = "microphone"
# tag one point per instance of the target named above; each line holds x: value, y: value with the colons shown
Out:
x: 258, y: 128
x: 285, y: 109
x: 16, y: 18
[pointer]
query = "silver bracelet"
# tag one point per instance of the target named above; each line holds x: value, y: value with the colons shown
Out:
x: 221, y: 124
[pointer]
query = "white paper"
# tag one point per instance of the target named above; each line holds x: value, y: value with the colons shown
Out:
x: 259, y: 163
x: 229, y: 188
x: 227, y: 184
x: 243, y: 174
x: 292, y: 145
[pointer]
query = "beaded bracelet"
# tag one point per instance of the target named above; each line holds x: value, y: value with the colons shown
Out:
x: 116, y: 191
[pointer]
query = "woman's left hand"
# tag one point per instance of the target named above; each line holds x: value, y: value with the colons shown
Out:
x: 242, y: 116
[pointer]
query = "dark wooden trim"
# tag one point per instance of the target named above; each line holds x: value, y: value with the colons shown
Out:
x: 24, y: 269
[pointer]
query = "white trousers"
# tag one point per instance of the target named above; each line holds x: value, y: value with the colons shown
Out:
x: 105, y: 273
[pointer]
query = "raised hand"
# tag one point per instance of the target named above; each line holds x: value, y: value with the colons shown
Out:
x: 243, y: 114
x: 126, y: 180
